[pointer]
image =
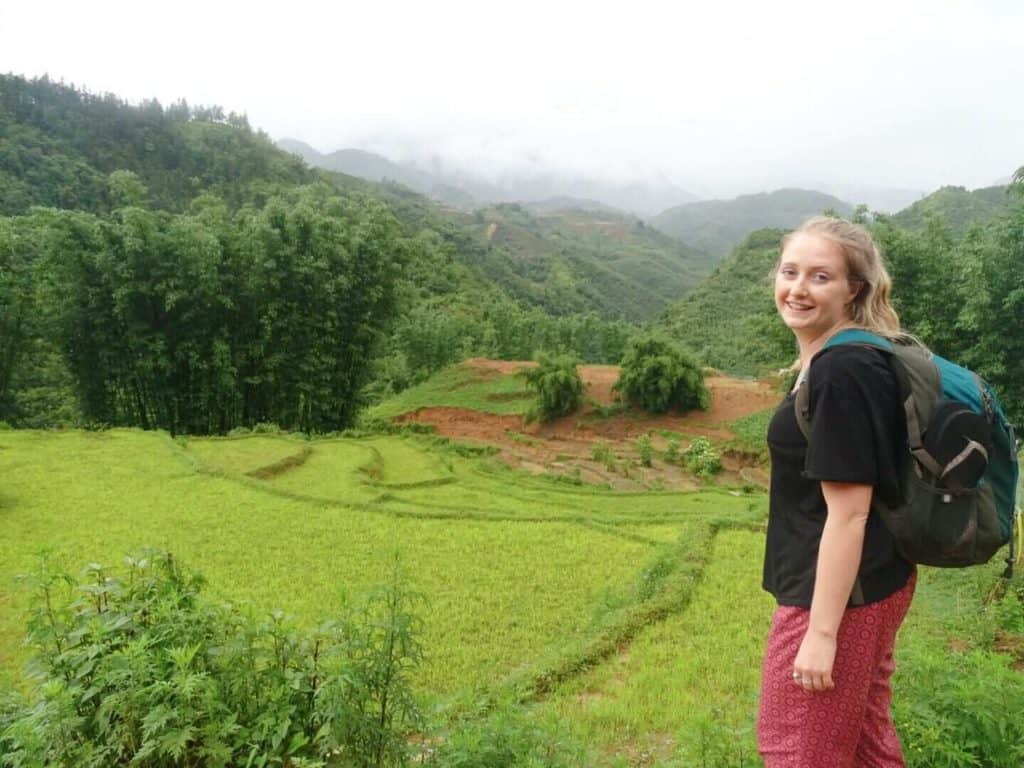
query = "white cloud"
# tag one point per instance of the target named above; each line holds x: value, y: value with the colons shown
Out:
x: 722, y: 96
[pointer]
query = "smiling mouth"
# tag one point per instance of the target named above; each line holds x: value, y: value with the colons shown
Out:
x: 799, y: 307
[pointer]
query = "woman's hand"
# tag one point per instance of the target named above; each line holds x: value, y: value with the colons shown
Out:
x: 812, y: 669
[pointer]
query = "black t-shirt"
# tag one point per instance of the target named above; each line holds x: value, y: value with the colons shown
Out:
x: 857, y: 430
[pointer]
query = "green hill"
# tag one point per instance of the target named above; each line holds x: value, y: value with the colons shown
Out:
x: 196, y: 172
x: 729, y: 320
x: 567, y: 261
x: 957, y: 206
x: 717, y: 226
x: 58, y: 144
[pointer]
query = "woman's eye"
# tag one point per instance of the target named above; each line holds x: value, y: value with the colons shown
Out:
x: 821, y: 277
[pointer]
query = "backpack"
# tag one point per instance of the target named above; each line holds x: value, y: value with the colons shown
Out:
x: 959, y: 478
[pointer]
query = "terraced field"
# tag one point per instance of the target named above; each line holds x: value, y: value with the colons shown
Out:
x: 521, y: 574
x: 629, y: 622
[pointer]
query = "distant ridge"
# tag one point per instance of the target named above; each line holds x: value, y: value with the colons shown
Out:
x: 469, y: 190
x: 718, y: 226
x: 373, y: 167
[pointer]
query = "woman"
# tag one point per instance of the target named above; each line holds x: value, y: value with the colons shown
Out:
x: 841, y: 587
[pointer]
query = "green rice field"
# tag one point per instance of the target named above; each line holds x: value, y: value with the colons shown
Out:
x: 515, y: 570
x: 633, y: 620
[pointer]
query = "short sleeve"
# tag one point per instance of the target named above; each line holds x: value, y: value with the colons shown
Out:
x: 852, y: 403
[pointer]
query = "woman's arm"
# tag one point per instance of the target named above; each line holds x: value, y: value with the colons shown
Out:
x: 839, y: 553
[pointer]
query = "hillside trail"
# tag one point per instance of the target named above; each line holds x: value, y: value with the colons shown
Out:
x: 566, y: 445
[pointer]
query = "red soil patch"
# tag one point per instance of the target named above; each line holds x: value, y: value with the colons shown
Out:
x: 465, y: 424
x: 548, y: 447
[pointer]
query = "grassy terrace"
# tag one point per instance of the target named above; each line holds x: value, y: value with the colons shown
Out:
x: 520, y: 574
x: 630, y: 623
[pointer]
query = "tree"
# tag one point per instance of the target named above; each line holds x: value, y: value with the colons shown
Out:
x: 658, y: 375
x: 558, y: 385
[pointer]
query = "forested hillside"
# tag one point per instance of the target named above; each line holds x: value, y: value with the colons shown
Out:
x: 569, y: 261
x: 717, y: 226
x: 171, y: 267
x: 730, y: 319
x: 960, y: 292
x: 958, y: 207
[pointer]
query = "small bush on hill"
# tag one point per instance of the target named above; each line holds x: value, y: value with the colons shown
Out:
x: 601, y: 451
x: 702, y: 458
x: 672, y: 451
x: 657, y: 375
x: 644, y: 448
x: 142, y: 671
x: 558, y: 385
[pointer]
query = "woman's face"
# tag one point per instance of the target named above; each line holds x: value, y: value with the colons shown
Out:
x: 812, y: 292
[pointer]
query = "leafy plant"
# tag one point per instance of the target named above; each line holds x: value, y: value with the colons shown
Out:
x: 644, y: 448
x: 657, y: 375
x: 601, y: 451
x: 702, y: 459
x: 958, y: 710
x: 672, y: 451
x: 509, y: 738
x: 141, y: 669
x: 558, y: 385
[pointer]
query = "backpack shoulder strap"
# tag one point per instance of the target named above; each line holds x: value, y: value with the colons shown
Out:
x: 859, y: 336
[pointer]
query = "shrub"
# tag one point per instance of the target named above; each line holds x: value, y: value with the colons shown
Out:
x: 958, y: 709
x: 144, y: 671
x: 702, y: 459
x: 657, y: 375
x: 672, y: 451
x: 601, y: 451
x: 509, y: 738
x: 558, y: 385
x: 644, y: 448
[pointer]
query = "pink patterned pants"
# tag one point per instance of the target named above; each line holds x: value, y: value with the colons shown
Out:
x: 851, y: 725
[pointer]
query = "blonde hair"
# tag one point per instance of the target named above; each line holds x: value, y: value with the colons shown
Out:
x: 870, y: 308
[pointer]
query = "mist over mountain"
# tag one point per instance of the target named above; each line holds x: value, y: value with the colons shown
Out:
x: 465, y: 189
x: 373, y: 167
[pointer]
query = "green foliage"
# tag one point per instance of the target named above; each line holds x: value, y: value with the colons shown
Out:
x: 573, y: 261
x: 729, y: 320
x: 203, y: 322
x: 956, y: 710
x: 58, y: 144
x: 672, y: 450
x: 657, y: 375
x: 702, y: 458
x: 602, y: 452
x: 141, y: 669
x: 645, y: 450
x: 957, y: 206
x: 509, y: 738
x: 751, y: 433
x: 709, y: 740
x: 557, y: 383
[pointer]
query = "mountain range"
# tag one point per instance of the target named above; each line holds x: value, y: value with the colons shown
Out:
x: 467, y: 190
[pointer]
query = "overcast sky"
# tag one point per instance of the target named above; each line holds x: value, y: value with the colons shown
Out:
x: 719, y: 97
